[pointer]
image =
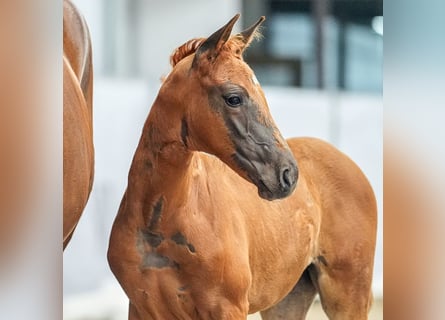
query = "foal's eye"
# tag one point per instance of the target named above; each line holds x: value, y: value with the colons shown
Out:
x: 233, y: 101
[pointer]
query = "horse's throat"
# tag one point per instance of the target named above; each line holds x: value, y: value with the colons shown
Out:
x: 160, y: 167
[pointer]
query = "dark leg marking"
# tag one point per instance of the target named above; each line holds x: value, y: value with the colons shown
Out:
x: 148, y: 164
x: 151, y: 141
x: 179, y: 239
x: 156, y: 214
x: 184, y: 131
x: 150, y: 258
x: 323, y: 260
x: 155, y: 260
x: 153, y: 239
x: 148, y: 140
x: 150, y: 236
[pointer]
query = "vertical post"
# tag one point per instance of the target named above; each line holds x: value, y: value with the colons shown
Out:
x: 120, y: 37
x: 341, y: 70
x: 133, y: 50
x: 109, y: 54
x: 320, y: 11
x: 120, y: 25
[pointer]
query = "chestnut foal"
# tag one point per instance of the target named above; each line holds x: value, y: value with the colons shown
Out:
x: 197, y: 235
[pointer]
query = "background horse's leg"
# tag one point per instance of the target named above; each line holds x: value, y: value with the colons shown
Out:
x: 296, y: 304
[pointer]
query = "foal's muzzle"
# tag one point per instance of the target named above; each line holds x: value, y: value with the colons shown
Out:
x: 278, y: 183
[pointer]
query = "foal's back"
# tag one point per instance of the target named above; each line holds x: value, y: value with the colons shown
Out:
x: 339, y: 181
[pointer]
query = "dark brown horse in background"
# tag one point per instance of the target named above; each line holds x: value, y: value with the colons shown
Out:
x: 78, y: 153
x: 197, y: 235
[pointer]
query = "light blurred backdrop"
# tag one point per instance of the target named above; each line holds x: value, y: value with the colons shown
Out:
x: 319, y: 63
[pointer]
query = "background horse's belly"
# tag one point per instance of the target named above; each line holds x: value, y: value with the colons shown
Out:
x: 77, y: 151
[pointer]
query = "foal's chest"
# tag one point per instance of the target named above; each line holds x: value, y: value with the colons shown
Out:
x: 191, y: 270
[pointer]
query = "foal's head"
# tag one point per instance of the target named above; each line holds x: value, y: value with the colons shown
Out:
x: 224, y: 111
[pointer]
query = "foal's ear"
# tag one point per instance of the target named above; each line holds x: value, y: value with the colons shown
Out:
x: 250, y: 33
x: 213, y: 45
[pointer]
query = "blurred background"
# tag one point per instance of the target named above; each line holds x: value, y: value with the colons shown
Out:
x: 319, y: 63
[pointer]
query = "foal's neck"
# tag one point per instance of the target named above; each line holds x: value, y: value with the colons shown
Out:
x: 160, y: 164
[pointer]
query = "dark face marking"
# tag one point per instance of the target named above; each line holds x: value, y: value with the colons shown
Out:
x: 180, y: 239
x: 155, y: 260
x: 272, y: 169
x: 184, y: 131
x: 253, y: 138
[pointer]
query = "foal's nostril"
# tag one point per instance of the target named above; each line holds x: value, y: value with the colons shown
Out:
x: 286, y: 179
x: 286, y: 176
